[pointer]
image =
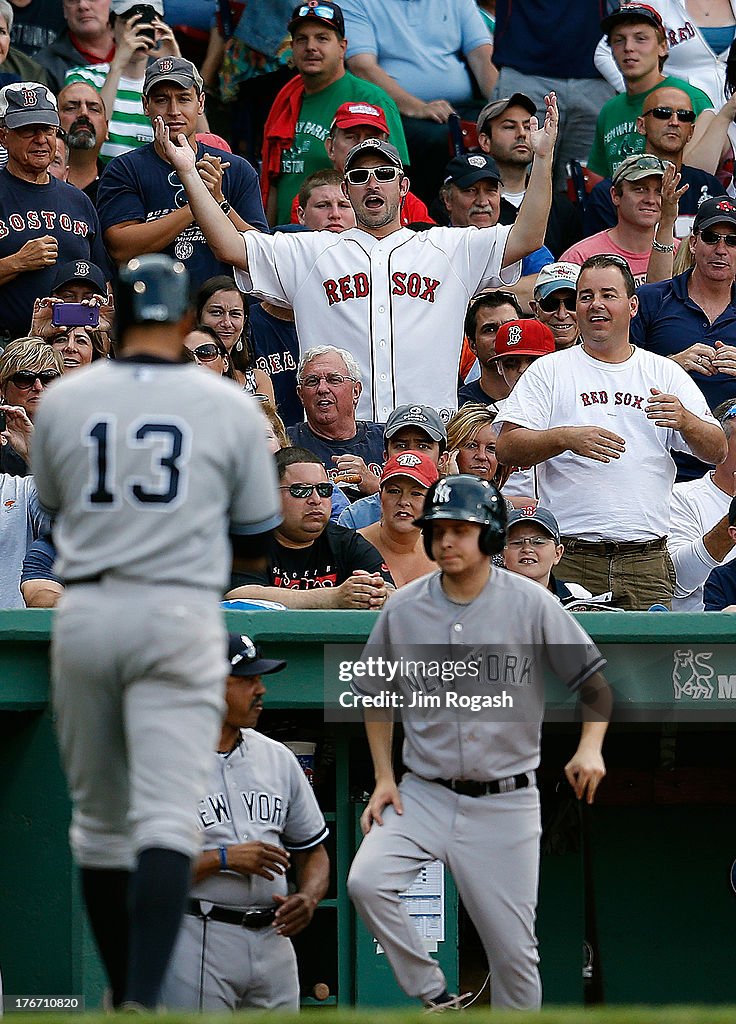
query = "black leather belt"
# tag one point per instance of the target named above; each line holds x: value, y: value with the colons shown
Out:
x: 243, y: 918
x: 466, y: 787
x: 84, y: 580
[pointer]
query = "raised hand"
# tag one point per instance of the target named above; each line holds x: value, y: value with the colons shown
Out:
x: 543, y: 139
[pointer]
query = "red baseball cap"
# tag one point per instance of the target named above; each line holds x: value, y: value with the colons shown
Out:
x: 524, y: 338
x: 357, y: 112
x: 415, y: 465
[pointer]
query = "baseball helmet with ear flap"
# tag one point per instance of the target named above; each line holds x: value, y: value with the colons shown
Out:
x: 468, y: 499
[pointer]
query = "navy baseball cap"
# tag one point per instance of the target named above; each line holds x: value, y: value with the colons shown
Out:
x: 246, y: 658
x: 541, y: 516
x: 377, y: 147
x: 720, y: 210
x: 464, y: 171
x: 24, y: 103
x: 633, y: 12
x: 326, y: 11
x: 80, y: 270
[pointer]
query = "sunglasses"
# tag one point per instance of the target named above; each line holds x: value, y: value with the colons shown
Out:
x: 552, y: 303
x: 316, y: 11
x: 25, y: 379
x: 713, y: 238
x: 360, y: 175
x: 312, y: 380
x: 207, y: 352
x: 665, y: 113
x: 305, y: 490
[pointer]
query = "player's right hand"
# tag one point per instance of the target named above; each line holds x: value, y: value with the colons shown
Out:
x: 384, y: 794
x: 37, y: 253
x: 257, y: 858
x: 595, y: 443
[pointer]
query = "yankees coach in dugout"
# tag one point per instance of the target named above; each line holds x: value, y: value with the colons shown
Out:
x: 380, y: 288
x: 259, y: 818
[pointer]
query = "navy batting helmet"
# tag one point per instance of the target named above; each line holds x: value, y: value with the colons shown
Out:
x: 151, y: 289
x: 470, y: 500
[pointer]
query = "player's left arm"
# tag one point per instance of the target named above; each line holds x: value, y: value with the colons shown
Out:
x: 705, y: 438
x: 527, y: 233
x: 586, y: 769
x: 312, y: 875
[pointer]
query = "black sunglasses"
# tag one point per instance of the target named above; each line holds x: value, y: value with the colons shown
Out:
x: 552, y: 302
x: 665, y: 113
x: 25, y: 379
x: 713, y: 238
x: 305, y: 490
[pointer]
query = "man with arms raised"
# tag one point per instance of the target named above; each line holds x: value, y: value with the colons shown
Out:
x: 380, y: 288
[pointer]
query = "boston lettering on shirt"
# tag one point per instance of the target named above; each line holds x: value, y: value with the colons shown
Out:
x: 141, y: 186
x: 333, y: 557
x: 28, y: 212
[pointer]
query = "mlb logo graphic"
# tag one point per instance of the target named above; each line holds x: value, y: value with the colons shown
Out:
x: 30, y: 98
x: 408, y: 460
x: 82, y: 269
x: 477, y: 161
x: 166, y: 65
x: 514, y: 335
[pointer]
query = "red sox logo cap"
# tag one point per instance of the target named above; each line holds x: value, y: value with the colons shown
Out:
x: 30, y: 99
x: 82, y: 269
x: 408, y: 459
x: 514, y: 335
x: 166, y: 64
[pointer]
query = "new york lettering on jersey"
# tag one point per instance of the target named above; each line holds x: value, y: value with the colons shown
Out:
x: 259, y: 806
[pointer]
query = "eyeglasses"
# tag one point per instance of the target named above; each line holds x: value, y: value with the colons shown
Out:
x: 207, y: 352
x: 552, y: 303
x: 25, y: 379
x: 360, y: 175
x: 312, y: 380
x: 316, y: 11
x: 305, y: 490
x: 665, y: 113
x: 713, y: 238
x: 534, y: 542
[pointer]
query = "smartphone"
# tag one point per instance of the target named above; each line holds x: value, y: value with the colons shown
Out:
x: 3, y: 421
x: 147, y: 14
x: 75, y: 314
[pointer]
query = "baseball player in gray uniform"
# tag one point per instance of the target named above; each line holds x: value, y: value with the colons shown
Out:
x: 157, y: 474
x: 259, y: 816
x: 380, y: 288
x: 469, y: 796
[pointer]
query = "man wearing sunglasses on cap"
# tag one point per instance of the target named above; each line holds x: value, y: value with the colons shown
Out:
x: 312, y: 563
x: 692, y: 317
x: 380, y: 288
x: 667, y: 123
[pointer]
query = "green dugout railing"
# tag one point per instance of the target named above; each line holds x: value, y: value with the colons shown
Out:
x: 663, y: 835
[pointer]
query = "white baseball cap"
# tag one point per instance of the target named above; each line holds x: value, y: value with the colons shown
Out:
x: 554, y: 277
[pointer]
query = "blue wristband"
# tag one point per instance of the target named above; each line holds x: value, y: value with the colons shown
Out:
x: 223, y: 858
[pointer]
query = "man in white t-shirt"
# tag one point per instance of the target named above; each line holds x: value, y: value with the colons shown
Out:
x: 598, y: 420
x: 700, y: 539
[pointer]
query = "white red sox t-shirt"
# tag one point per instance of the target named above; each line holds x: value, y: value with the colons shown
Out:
x: 396, y: 303
x: 626, y: 499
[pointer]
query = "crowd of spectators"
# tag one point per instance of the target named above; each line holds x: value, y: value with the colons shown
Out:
x: 454, y: 247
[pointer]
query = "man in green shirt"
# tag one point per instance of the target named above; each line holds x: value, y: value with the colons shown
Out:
x: 318, y: 53
x: 639, y: 46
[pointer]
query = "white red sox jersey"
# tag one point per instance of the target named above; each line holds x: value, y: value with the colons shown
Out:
x: 395, y: 303
x: 514, y: 631
x: 258, y: 792
x: 150, y: 465
x: 626, y: 499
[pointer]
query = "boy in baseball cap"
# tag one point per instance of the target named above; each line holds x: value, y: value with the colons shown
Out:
x: 518, y: 344
x: 533, y: 549
x: 554, y: 302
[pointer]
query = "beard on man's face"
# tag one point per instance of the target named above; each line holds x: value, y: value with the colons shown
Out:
x: 82, y: 134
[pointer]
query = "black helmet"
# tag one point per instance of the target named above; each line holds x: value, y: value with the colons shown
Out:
x: 471, y: 500
x: 151, y: 289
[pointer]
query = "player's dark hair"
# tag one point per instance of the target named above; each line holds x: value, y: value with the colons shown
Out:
x: 488, y: 300
x: 604, y: 260
x: 326, y: 176
x: 291, y: 456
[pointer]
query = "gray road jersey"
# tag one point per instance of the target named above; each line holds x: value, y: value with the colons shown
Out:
x: 148, y: 466
x: 518, y: 630
x: 258, y: 792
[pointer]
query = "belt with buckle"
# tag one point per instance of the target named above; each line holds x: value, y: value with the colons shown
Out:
x: 243, y: 918
x: 466, y: 787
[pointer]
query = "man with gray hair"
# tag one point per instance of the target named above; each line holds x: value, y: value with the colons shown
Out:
x: 329, y: 386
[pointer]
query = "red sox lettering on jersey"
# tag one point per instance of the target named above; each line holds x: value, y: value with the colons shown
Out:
x: 357, y: 286
x: 617, y: 398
